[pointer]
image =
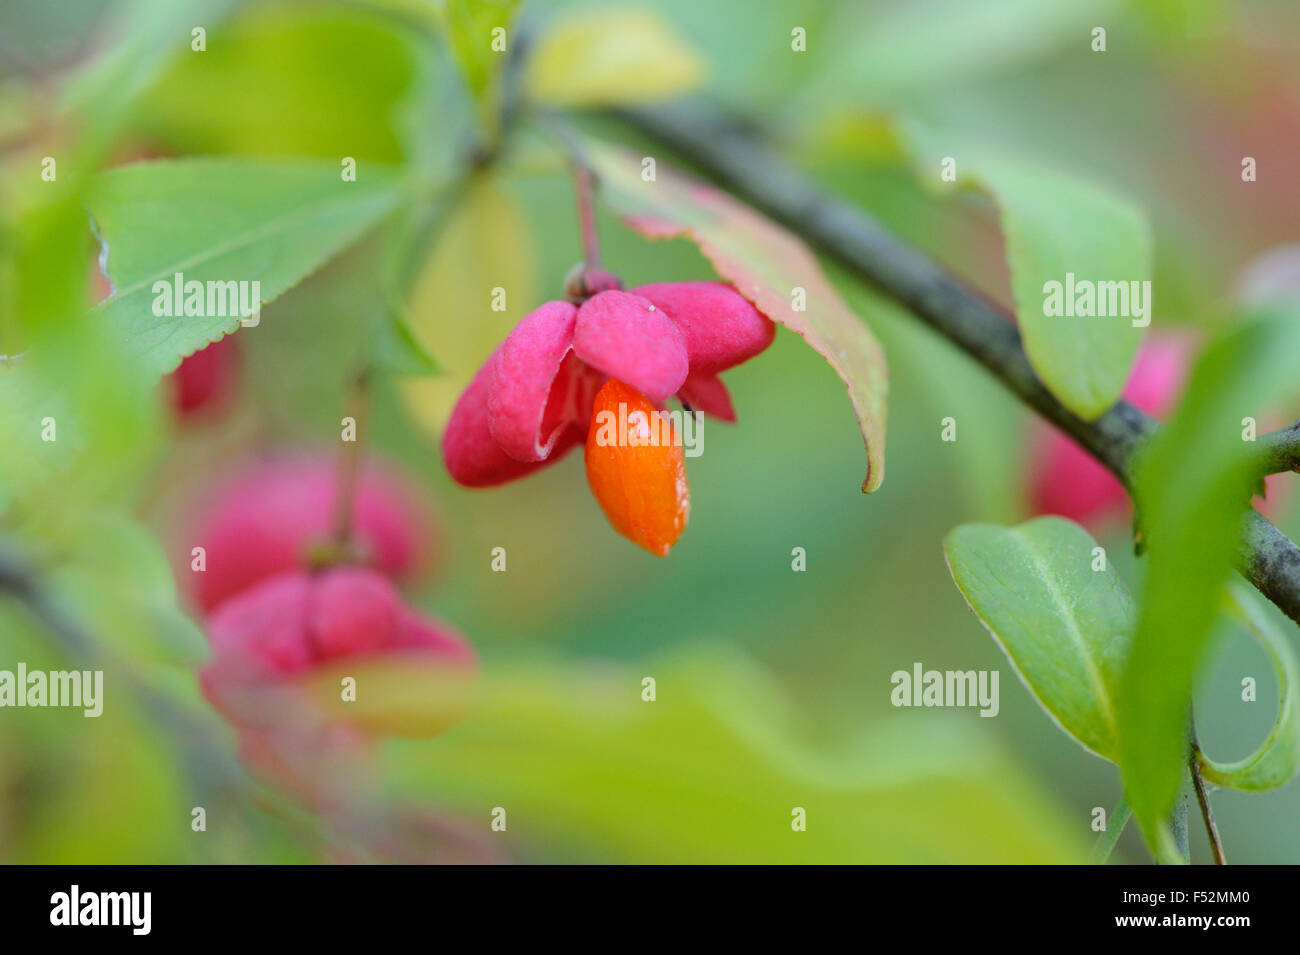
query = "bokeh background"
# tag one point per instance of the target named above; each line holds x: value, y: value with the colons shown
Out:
x: 773, y: 686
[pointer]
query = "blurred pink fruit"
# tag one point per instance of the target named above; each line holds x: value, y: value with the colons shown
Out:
x: 278, y: 650
x: 266, y: 519
x: 1065, y: 479
x: 205, y: 381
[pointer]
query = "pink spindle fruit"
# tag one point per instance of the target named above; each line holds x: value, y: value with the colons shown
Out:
x: 282, y: 650
x: 268, y: 517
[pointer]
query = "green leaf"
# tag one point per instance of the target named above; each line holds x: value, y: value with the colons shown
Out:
x: 616, y: 56
x: 713, y: 769
x: 1277, y: 760
x: 271, y: 222
x: 950, y: 381
x: 1194, y: 482
x: 77, y: 418
x: 483, y: 245
x: 468, y: 26
x: 767, y: 265
x: 269, y: 76
x: 1116, y: 822
x: 1056, y: 226
x: 398, y: 350
x: 118, y: 582
x: 1065, y: 627
x: 1173, y: 22
x: 145, y: 35
x: 127, y: 784
x: 941, y: 43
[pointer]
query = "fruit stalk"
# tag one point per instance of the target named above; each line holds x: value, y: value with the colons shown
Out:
x: 350, y: 462
x: 582, y: 187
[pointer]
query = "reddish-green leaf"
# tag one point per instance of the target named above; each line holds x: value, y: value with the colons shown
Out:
x: 767, y: 264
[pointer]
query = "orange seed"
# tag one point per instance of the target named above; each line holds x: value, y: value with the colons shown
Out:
x: 637, y: 469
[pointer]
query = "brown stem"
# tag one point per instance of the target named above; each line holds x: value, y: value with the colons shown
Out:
x: 1207, y: 813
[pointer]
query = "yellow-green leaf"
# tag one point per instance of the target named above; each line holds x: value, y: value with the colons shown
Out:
x: 484, y: 247
x: 612, y: 57
x: 478, y: 32
x: 1277, y: 759
x: 717, y: 770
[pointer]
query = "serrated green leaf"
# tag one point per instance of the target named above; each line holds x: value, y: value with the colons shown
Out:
x: 1277, y: 760
x: 1194, y: 482
x: 222, y: 220
x: 1065, y: 626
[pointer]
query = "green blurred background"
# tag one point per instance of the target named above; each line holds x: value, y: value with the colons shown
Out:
x: 773, y: 686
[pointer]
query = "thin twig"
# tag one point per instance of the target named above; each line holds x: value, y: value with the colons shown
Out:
x: 1211, y: 830
x: 985, y: 331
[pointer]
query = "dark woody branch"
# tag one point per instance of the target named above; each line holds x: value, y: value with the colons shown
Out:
x: 745, y: 166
